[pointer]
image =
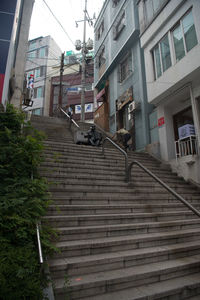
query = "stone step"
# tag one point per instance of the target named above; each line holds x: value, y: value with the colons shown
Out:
x: 88, y: 264
x: 71, y: 148
x: 182, y: 288
x: 111, y: 219
x: 84, y: 168
x: 114, y: 188
x: 112, y: 180
x: 102, y: 174
x: 113, y: 209
x: 96, y: 158
x: 104, y: 282
x: 62, y: 196
x: 149, y: 236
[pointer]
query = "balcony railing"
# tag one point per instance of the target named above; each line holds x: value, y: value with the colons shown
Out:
x: 187, y: 146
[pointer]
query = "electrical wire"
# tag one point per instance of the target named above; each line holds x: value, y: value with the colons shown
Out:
x: 59, y: 23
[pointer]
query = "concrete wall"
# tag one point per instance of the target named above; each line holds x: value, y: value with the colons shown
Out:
x: 21, y: 52
x: 51, y: 59
x: 115, y: 52
x: 178, y: 87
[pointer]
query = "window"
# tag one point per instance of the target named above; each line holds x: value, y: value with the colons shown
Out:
x: 37, y: 111
x: 119, y: 25
x: 125, y: 68
x: 184, y: 36
x: 38, y: 92
x: 39, y: 72
x: 152, y: 8
x: 162, y: 57
x: 100, y: 31
x: 178, y: 42
x: 100, y: 60
x: 115, y: 2
x: 32, y: 54
x: 32, y: 45
x: 165, y: 53
x: 42, y: 52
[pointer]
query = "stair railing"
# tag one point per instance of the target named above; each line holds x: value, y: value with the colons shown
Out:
x: 107, y: 139
x: 39, y: 243
x: 179, y: 197
x: 38, y: 236
x: 70, y: 119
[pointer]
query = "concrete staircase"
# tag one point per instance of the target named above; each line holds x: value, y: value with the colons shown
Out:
x: 117, y: 240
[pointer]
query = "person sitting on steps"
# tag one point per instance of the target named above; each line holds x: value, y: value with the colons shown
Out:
x: 123, y: 136
x: 94, y: 137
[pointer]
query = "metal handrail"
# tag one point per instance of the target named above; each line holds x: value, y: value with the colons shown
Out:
x: 71, y: 120
x: 121, y: 150
x: 38, y: 236
x: 39, y: 243
x: 185, y: 202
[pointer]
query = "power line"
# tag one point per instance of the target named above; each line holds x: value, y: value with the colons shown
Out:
x: 41, y: 65
x: 59, y: 23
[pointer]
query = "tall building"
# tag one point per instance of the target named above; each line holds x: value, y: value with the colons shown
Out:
x: 119, y: 76
x: 15, y: 18
x: 43, y: 54
x: 170, y: 36
x: 71, y: 88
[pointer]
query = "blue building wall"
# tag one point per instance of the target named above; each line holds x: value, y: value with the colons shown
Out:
x: 127, y: 42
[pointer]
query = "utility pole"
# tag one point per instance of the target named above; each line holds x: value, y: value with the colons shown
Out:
x: 61, y: 79
x: 85, y: 47
x: 83, y: 67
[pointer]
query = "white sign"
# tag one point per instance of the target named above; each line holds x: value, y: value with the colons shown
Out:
x: 88, y: 108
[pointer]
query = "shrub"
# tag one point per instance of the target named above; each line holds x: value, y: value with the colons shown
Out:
x: 23, y: 201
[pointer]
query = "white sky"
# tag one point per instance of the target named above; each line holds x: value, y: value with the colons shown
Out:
x: 67, y: 12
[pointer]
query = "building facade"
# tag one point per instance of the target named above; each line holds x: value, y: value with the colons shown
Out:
x: 119, y: 76
x: 170, y: 36
x: 42, y: 56
x: 71, y: 88
x: 15, y: 18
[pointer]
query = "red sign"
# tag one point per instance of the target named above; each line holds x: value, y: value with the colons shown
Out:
x: 161, y: 121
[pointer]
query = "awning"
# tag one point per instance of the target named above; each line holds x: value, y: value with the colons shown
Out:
x: 100, y: 94
x: 125, y: 98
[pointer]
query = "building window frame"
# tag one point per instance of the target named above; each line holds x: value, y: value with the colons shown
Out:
x: 119, y: 24
x: 100, y: 59
x: 38, y: 92
x: 125, y: 68
x: 171, y: 49
x: 32, y: 54
x: 33, y: 45
x: 42, y: 52
x: 115, y: 3
x: 162, y: 57
x: 182, y: 32
x: 100, y: 30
